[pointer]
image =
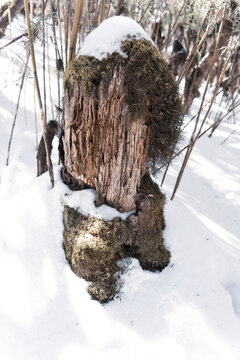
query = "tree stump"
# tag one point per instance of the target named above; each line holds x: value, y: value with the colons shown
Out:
x: 122, y: 116
x: 107, y: 149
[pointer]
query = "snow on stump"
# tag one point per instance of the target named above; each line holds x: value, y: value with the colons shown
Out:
x: 122, y: 116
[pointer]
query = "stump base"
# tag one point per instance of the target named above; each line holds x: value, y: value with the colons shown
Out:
x: 93, y: 246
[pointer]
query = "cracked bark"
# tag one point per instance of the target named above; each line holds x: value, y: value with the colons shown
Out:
x: 106, y: 148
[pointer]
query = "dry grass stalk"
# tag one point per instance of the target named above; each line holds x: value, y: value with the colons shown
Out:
x: 173, y: 28
x: 216, y: 123
x: 73, y: 40
x: 13, y: 41
x: 195, y: 49
x: 144, y: 11
x: 35, y: 117
x: 102, y: 11
x: 43, y: 119
x: 17, y: 107
x: 60, y: 28
x: 194, y: 138
x: 49, y: 77
x: 66, y: 29
x: 217, y: 85
x: 57, y: 54
x: 44, y: 60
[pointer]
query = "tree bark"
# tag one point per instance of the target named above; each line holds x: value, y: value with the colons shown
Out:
x: 106, y: 149
x: 52, y: 128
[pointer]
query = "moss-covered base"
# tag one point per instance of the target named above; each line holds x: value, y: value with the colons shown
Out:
x: 93, y: 246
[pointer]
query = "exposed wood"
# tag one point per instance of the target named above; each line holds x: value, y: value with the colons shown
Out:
x: 52, y: 128
x: 106, y: 149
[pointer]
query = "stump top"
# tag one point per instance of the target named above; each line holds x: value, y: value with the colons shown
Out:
x: 108, y: 37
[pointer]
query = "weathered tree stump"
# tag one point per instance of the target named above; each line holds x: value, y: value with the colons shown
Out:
x: 107, y: 149
x: 122, y: 116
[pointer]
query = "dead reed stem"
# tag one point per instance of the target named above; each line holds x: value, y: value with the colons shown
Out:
x: 173, y: 28
x: 44, y: 60
x: 193, y: 52
x: 43, y: 119
x: 35, y: 117
x: 216, y: 123
x: 102, y: 11
x: 60, y: 29
x: 13, y: 41
x: 73, y: 40
x: 17, y: 107
x: 57, y: 54
x: 193, y: 139
x: 49, y: 77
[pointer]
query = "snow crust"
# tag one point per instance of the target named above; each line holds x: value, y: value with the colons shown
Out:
x: 189, y: 311
x: 83, y: 201
x: 108, y: 37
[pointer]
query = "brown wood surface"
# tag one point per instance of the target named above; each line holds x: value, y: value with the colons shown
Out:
x: 104, y: 146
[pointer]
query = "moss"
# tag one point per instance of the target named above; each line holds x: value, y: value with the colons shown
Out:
x: 149, y: 86
x: 88, y: 72
x: 93, y: 246
x: 149, y: 241
x: 90, y: 245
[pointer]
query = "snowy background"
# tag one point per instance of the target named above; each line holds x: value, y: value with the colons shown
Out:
x: 189, y: 311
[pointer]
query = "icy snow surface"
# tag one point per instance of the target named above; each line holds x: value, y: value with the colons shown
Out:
x: 189, y: 311
x: 108, y: 37
x: 83, y: 201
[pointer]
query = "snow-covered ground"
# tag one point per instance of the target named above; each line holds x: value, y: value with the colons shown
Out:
x: 189, y: 311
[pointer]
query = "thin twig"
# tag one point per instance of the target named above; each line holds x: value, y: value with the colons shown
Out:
x: 60, y: 29
x: 35, y: 116
x: 203, y: 133
x: 173, y: 28
x: 144, y: 12
x: 13, y: 41
x: 44, y: 60
x: 66, y: 24
x: 228, y: 137
x: 193, y: 139
x: 17, y: 107
x: 49, y: 76
x: 193, y: 52
x: 57, y: 54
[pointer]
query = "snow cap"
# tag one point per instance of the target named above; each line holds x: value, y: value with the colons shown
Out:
x: 108, y: 37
